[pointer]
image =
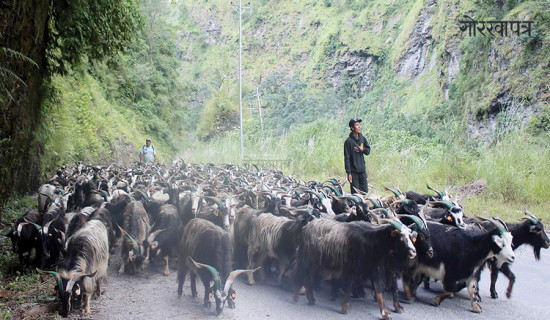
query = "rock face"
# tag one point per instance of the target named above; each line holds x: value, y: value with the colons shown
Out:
x: 358, y: 66
x: 416, y: 56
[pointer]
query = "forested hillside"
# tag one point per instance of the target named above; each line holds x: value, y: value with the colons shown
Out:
x: 438, y: 105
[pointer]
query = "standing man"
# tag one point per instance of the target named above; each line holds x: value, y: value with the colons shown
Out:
x: 147, y: 153
x: 354, y: 148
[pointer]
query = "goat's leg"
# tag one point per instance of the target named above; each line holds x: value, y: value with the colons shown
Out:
x: 439, y: 298
x: 426, y: 282
x: 347, y: 285
x: 87, y: 297
x: 334, y: 286
x: 407, y: 282
x: 251, y: 265
x: 395, y: 295
x: 121, y: 269
x: 283, y: 265
x: 182, y: 272
x: 98, y: 289
x: 494, y: 276
x: 380, y: 299
x: 309, y: 290
x: 207, y: 302
x: 260, y: 263
x: 193, y: 279
x: 166, y: 266
x: 297, y: 283
x: 510, y: 275
x: 473, y: 289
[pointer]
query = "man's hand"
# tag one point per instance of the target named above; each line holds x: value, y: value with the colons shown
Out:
x: 358, y: 148
x: 350, y: 177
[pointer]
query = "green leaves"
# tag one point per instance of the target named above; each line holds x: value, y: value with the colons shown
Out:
x: 95, y: 29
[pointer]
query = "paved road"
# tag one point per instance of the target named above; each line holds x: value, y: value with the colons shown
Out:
x: 151, y: 295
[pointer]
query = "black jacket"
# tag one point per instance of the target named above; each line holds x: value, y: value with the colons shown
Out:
x: 354, y: 161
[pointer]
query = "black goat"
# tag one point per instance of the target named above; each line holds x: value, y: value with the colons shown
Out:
x: 163, y: 239
x: 25, y: 236
x: 458, y: 256
x: 349, y: 251
x: 208, y: 245
x: 531, y: 232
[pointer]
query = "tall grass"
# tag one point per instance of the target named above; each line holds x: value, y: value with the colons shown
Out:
x: 516, y: 168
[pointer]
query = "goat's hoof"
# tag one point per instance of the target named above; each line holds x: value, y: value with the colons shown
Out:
x: 476, y: 308
x: 508, y: 294
x: 437, y: 301
x: 494, y: 295
x: 398, y: 308
x: 386, y: 314
x: 311, y: 302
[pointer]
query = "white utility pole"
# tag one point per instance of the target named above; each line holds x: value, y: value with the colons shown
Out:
x: 240, y: 10
x: 260, y: 108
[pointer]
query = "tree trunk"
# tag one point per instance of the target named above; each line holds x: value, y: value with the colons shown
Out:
x: 23, y: 28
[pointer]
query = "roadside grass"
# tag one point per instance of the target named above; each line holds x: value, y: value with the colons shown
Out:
x: 19, y: 289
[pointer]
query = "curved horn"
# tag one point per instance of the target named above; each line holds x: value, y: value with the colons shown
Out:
x: 419, y: 222
x: 317, y: 194
x: 359, y: 191
x: 396, y: 223
x: 134, y: 242
x: 55, y: 275
x: 34, y: 224
x: 396, y: 192
x: 502, y: 223
x: 447, y: 204
x: 498, y: 224
x: 152, y: 236
x: 384, y: 211
x: 530, y: 216
x: 439, y: 193
x: 233, y: 275
x: 213, y: 271
x: 375, y: 202
x: 218, y: 202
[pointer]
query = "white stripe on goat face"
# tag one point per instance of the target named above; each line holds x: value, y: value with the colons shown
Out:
x: 506, y: 253
x: 328, y: 205
x: 408, y: 235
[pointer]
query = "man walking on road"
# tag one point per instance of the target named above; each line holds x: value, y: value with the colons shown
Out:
x: 147, y: 153
x: 355, y: 147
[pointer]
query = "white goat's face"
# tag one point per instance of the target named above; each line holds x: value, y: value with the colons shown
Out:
x: 506, y: 252
x: 409, y: 237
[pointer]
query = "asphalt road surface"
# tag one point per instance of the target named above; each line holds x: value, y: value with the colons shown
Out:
x: 151, y: 295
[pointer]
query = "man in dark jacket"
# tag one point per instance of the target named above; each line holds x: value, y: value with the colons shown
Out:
x: 354, y: 148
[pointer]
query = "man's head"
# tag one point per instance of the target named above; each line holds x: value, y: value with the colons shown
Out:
x: 148, y: 142
x: 355, y: 125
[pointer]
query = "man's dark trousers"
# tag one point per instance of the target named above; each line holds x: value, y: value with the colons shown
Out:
x: 359, y: 181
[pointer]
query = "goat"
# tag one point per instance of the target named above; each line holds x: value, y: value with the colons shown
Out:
x: 531, y: 232
x: 273, y: 237
x: 162, y: 241
x: 85, y: 266
x: 349, y: 251
x: 208, y: 244
x: 454, y: 267
x: 134, y: 226
x: 25, y: 236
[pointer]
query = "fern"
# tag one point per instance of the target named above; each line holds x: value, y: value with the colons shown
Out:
x: 6, y: 75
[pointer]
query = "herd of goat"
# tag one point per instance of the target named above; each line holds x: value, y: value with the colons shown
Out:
x: 217, y: 218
